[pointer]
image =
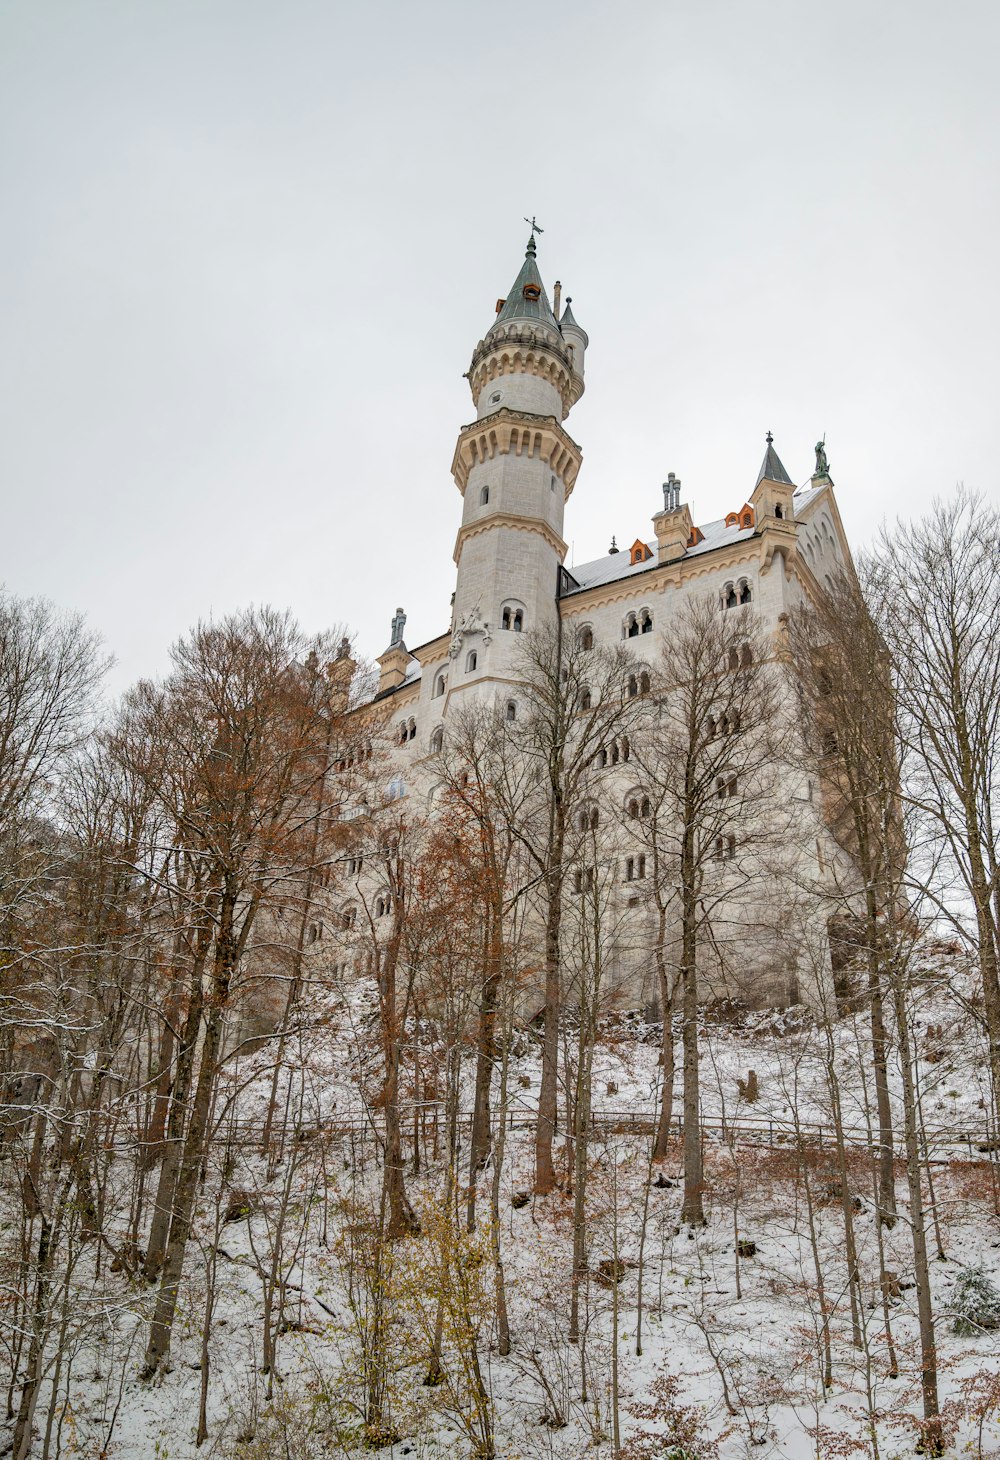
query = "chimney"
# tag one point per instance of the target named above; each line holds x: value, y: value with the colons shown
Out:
x: 557, y: 299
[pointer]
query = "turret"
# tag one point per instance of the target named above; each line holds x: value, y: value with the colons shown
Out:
x: 515, y: 466
x: 772, y: 496
x: 523, y: 362
x: 576, y: 340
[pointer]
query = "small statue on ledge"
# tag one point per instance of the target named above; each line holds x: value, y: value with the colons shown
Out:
x: 822, y: 464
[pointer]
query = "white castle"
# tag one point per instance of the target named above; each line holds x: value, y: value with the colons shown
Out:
x: 515, y: 467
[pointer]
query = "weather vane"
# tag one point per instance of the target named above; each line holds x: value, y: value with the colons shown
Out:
x: 534, y: 226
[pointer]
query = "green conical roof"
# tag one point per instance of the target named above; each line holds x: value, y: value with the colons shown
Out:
x: 516, y: 305
x: 771, y: 469
x: 567, y: 320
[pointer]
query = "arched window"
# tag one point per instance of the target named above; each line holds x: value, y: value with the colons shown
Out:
x: 589, y: 818
x: 439, y: 685
x: 711, y: 725
x: 726, y: 786
x: 729, y: 599
x: 635, y: 867
x: 601, y: 758
x: 644, y: 683
x: 396, y: 789
x: 779, y: 511
x: 484, y: 496
x: 745, y: 594
x: 746, y: 657
x: 734, y: 659
x: 413, y: 729
x: 583, y: 879
x: 630, y: 628
x: 518, y: 624
x: 512, y: 618
x: 746, y: 518
x: 383, y: 905
x: 471, y: 660
x: 645, y: 809
x: 585, y: 701
x: 510, y: 711
x: 646, y: 622
x: 585, y: 638
x: 403, y: 734
x: 626, y: 748
x: 348, y: 917
x: 633, y: 686
x: 437, y: 740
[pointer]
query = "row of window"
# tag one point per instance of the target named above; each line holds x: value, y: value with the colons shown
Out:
x: 734, y: 595
x: 634, y: 867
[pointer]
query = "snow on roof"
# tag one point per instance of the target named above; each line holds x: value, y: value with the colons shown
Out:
x: 615, y: 566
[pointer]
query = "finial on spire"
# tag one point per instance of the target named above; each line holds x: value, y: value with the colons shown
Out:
x: 535, y: 228
x: 614, y: 546
x: 769, y: 439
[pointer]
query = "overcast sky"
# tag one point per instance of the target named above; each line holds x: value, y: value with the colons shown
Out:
x: 247, y: 248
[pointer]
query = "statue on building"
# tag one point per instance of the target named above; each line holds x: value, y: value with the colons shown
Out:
x: 822, y: 464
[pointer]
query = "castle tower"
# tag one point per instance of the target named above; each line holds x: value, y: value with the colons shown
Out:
x: 515, y: 466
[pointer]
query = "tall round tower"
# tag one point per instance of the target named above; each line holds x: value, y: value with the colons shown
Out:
x: 515, y: 466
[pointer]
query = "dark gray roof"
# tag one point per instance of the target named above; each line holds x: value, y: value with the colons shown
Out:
x: 516, y: 306
x: 771, y: 468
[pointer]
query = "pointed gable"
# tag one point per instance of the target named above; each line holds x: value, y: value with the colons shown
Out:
x: 771, y: 469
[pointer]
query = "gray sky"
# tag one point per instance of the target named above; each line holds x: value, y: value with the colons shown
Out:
x: 247, y: 249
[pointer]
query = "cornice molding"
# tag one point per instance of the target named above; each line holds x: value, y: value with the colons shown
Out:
x: 517, y: 523
x: 519, y: 433
x: 526, y: 352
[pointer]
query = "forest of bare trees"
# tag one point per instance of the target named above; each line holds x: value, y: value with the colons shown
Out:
x: 331, y: 1120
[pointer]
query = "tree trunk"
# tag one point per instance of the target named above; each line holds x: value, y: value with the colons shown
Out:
x: 545, y: 1174
x: 932, y: 1437
x: 692, y: 1209
x: 667, y: 1054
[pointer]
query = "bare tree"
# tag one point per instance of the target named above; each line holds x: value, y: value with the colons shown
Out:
x: 843, y: 675
x: 931, y: 586
x: 705, y: 810
x: 573, y: 702
x: 232, y: 746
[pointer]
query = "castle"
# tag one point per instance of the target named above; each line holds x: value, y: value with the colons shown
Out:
x: 515, y: 467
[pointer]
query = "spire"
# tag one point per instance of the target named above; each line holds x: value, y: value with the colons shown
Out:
x: 567, y: 321
x: 771, y: 469
x: 527, y: 298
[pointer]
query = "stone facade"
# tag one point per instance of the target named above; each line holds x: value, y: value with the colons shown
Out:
x: 515, y: 466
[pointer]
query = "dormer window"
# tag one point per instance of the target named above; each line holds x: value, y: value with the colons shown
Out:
x: 532, y: 293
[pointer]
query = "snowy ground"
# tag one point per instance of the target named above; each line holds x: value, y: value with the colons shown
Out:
x: 742, y: 1336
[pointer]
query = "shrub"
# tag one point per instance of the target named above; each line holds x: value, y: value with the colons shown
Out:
x: 975, y: 1302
